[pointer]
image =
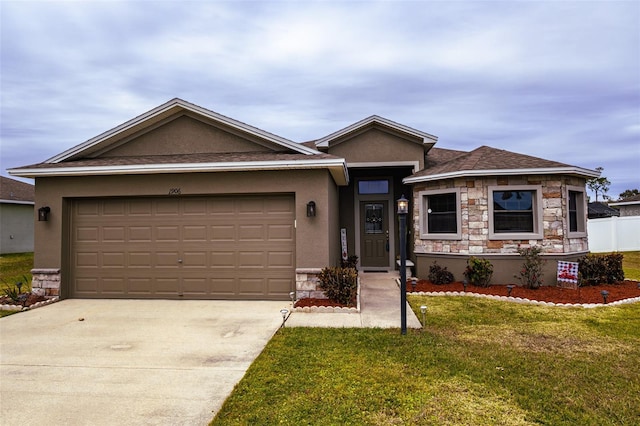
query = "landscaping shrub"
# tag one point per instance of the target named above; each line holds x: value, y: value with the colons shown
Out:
x: 350, y: 262
x: 439, y: 275
x: 339, y: 284
x: 531, y: 272
x: 479, y: 271
x: 594, y: 269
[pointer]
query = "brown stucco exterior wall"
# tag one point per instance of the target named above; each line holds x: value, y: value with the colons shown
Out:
x: 317, y: 238
x: 376, y: 146
x: 185, y: 135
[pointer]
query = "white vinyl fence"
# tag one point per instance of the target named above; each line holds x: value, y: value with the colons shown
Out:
x: 614, y: 234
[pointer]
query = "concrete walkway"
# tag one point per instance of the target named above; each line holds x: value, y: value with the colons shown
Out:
x: 379, y: 307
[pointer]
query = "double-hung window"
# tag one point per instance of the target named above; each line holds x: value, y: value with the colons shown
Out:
x: 440, y: 214
x: 515, y: 212
x: 576, y: 212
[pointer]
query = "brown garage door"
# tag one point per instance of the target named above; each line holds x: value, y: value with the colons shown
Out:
x: 235, y: 247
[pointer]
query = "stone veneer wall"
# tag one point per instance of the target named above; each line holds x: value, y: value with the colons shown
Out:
x: 475, y: 216
x: 46, y: 282
x: 307, y: 284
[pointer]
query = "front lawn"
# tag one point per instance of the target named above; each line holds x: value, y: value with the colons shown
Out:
x: 478, y: 362
x: 16, y: 267
x: 631, y: 265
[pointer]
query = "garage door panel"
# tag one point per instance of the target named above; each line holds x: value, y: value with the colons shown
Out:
x: 167, y: 233
x: 194, y: 233
x: 251, y: 233
x: 87, y: 260
x: 112, y: 286
x: 87, y: 234
x: 113, y: 233
x: 139, y: 286
x: 223, y: 233
x: 250, y: 259
x: 231, y: 247
x: 140, y: 234
x: 113, y: 260
x: 280, y: 259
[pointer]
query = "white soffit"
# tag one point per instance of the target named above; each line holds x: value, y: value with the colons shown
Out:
x: 504, y: 172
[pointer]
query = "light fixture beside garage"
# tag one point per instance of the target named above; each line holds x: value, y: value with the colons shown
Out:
x: 311, y: 209
x: 43, y: 213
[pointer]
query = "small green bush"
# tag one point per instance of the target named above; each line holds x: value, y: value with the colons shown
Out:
x: 531, y: 273
x: 439, y: 275
x: 479, y: 271
x: 339, y: 284
x: 594, y: 269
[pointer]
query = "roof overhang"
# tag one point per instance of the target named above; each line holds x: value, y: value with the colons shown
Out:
x: 625, y: 203
x: 337, y: 167
x: 427, y: 139
x: 162, y: 112
x: 569, y: 170
x: 29, y: 203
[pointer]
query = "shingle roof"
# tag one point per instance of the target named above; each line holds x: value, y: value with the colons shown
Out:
x: 599, y: 210
x: 183, y: 159
x: 14, y: 190
x: 486, y: 160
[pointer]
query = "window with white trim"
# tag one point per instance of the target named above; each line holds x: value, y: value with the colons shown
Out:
x: 515, y: 212
x: 440, y: 214
x: 576, y: 217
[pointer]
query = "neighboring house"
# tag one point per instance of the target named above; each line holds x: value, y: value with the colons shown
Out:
x: 598, y: 210
x: 182, y: 202
x: 629, y: 206
x: 16, y: 216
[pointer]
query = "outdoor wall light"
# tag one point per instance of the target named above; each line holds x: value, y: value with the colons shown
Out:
x: 605, y: 295
x: 284, y: 313
x: 311, y: 209
x: 403, y: 205
x: 43, y: 213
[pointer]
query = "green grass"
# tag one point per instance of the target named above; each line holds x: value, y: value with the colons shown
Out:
x: 631, y: 265
x: 14, y: 268
x: 477, y: 362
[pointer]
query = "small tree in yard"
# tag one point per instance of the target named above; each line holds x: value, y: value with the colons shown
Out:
x: 599, y: 185
x: 531, y: 273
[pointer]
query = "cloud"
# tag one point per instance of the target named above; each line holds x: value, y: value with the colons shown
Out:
x: 559, y: 80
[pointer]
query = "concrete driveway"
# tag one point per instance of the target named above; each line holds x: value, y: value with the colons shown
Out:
x: 107, y: 362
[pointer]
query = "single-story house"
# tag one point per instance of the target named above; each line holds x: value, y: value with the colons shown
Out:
x: 629, y: 206
x: 599, y: 210
x: 16, y: 216
x: 182, y: 202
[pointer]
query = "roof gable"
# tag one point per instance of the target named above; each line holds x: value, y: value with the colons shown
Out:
x: 379, y: 123
x: 168, y: 112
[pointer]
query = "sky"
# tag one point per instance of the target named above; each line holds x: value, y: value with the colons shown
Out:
x: 554, y: 79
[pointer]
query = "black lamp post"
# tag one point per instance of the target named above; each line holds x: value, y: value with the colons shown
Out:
x: 403, y: 209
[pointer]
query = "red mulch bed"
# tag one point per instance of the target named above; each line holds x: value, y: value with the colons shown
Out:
x: 590, y: 294
x: 310, y: 301
x: 27, y: 299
